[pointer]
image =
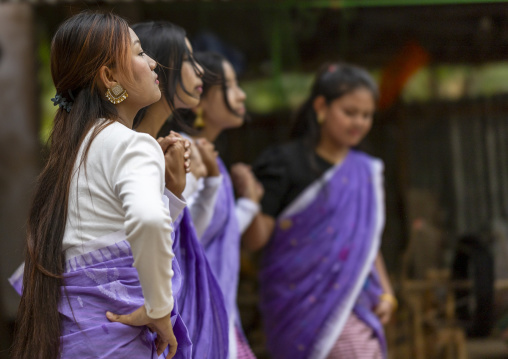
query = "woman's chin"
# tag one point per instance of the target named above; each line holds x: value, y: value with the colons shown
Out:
x: 190, y: 102
x: 235, y: 123
x: 155, y: 97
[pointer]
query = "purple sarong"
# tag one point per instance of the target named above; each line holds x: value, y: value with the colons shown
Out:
x: 103, y: 280
x: 318, y: 266
x: 221, y: 241
x: 200, y: 299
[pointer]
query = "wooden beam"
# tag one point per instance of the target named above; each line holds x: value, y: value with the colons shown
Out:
x: 19, y: 143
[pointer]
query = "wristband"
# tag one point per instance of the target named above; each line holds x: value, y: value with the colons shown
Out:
x: 390, y: 298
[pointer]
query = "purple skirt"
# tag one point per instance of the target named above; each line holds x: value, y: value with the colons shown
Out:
x: 105, y: 280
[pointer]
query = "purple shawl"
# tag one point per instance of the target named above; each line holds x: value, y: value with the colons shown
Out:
x: 200, y: 299
x: 102, y: 280
x: 318, y: 266
x: 221, y: 241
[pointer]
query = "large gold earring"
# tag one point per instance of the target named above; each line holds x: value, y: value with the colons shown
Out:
x: 320, y: 119
x: 116, y: 94
x: 199, y: 122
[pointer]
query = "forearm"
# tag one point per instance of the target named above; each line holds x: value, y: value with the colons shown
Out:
x: 383, y: 274
x: 259, y: 232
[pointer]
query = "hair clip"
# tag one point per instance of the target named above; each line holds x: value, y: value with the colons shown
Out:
x: 62, y: 102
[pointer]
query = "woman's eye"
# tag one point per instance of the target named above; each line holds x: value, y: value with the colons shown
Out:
x: 142, y: 53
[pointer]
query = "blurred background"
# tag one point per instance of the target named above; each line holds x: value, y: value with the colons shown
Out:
x: 441, y: 129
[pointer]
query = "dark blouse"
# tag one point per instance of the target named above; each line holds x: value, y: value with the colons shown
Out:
x: 285, y: 171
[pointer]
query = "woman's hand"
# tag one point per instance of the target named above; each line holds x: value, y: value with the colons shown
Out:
x: 245, y: 183
x: 209, y: 156
x: 384, y: 311
x: 198, y: 167
x: 187, y: 146
x: 177, y: 158
x: 387, y: 301
x: 161, y: 326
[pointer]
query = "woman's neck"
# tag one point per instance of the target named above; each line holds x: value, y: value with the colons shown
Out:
x: 210, y: 132
x: 155, y: 117
x: 331, y: 151
x: 126, y: 114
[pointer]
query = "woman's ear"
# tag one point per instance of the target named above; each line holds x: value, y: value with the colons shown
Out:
x: 106, y: 78
x: 320, y: 106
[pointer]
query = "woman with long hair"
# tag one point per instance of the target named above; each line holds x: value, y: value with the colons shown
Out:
x: 99, y: 234
x: 324, y: 289
x: 222, y: 107
x: 200, y: 300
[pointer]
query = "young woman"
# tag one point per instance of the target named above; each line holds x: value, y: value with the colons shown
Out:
x: 222, y: 107
x: 200, y: 301
x: 99, y: 234
x: 322, y: 277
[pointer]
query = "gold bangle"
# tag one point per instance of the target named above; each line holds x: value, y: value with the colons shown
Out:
x: 390, y: 298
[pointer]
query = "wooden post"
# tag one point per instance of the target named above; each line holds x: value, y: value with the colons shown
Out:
x: 19, y: 144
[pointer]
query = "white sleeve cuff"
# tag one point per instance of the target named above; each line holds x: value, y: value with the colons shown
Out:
x: 191, y: 186
x: 160, y: 312
x: 202, y: 204
x: 213, y: 182
x: 173, y: 203
x: 248, y: 205
x: 246, y: 210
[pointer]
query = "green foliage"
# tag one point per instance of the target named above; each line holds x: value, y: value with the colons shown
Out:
x: 47, y: 89
x: 452, y: 82
x: 266, y: 95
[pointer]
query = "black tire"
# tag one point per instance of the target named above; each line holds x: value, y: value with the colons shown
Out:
x: 474, y: 261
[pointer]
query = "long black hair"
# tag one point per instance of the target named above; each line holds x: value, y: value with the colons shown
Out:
x: 213, y: 66
x: 81, y: 46
x: 333, y: 80
x: 213, y: 63
x: 165, y: 43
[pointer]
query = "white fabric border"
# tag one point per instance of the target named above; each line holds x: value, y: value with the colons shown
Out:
x: 309, y: 194
x: 334, y: 326
x: 233, y: 350
x: 17, y: 275
x: 98, y: 243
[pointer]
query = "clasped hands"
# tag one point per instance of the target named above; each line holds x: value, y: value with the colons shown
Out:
x: 177, y: 156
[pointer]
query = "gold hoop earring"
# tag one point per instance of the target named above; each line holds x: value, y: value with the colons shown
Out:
x: 320, y: 119
x: 199, y: 122
x: 116, y: 94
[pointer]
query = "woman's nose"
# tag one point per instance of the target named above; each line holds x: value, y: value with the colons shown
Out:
x: 152, y: 63
x: 241, y: 95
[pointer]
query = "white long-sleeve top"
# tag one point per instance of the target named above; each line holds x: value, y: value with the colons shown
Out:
x: 245, y: 210
x: 201, y: 197
x: 201, y: 201
x: 120, y: 188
